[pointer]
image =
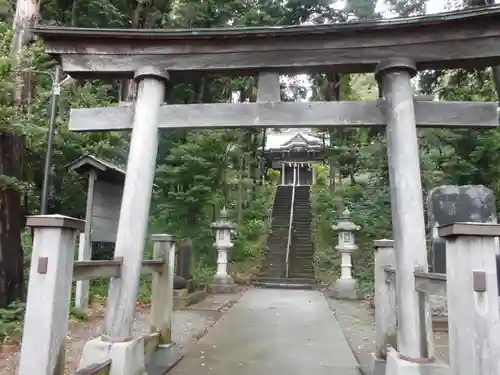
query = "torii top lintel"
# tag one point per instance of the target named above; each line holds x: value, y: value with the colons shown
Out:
x: 467, y: 38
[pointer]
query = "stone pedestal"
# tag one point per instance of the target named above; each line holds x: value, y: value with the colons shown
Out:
x: 398, y: 366
x: 223, y: 284
x: 345, y: 289
x: 377, y: 365
x: 182, y: 298
x: 127, y: 358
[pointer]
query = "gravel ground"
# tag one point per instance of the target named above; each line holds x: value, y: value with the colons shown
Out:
x: 357, y: 322
x: 187, y: 327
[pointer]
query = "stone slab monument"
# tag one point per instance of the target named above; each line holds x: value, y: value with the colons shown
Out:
x: 449, y: 204
x: 186, y: 292
x: 185, y: 264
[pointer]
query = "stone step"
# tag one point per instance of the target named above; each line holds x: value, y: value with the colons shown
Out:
x: 284, y: 283
x: 289, y: 280
x: 298, y: 275
x: 302, y: 266
x: 278, y: 285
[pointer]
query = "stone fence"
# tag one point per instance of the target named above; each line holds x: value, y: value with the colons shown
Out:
x: 47, y: 310
x: 471, y: 290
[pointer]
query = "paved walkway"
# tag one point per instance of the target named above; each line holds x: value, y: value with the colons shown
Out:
x: 289, y: 332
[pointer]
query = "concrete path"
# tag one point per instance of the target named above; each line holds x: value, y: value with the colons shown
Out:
x: 268, y: 331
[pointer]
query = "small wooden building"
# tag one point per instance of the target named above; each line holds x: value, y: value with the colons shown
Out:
x: 104, y: 197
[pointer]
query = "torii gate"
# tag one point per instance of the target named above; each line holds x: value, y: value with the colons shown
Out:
x: 394, y: 49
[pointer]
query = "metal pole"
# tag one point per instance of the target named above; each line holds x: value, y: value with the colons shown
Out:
x: 48, y: 155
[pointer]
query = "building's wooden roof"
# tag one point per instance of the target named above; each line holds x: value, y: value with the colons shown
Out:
x: 268, y: 31
x: 105, y: 170
x: 468, y: 38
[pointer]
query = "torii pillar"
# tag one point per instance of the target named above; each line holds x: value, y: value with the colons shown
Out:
x: 136, y: 201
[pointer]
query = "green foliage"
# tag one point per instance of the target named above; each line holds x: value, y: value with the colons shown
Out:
x: 198, y: 172
x: 250, y: 235
x: 369, y: 204
x: 10, y: 322
x: 325, y: 207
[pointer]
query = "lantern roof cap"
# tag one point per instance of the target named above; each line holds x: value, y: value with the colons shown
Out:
x: 223, y: 222
x: 345, y: 224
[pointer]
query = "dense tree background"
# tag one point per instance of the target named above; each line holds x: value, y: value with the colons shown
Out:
x: 200, y: 172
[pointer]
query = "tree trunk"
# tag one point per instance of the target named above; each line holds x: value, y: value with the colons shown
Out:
x: 11, y: 170
x: 11, y: 220
x: 74, y: 12
x: 332, y: 94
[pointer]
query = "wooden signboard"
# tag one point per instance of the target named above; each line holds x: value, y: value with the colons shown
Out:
x: 104, y: 197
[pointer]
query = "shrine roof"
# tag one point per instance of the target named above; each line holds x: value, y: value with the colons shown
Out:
x: 287, y: 139
x: 268, y: 31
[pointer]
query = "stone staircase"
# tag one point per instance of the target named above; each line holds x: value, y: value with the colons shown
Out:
x: 302, y: 248
x: 274, y: 264
x: 300, y: 271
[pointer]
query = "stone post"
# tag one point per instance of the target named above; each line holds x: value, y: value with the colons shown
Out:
x: 472, y: 290
x: 82, y: 286
x: 346, y: 287
x: 385, y: 305
x: 162, y: 288
x: 136, y: 201
x: 49, y: 292
x: 223, y: 282
x: 85, y: 244
x: 414, y: 320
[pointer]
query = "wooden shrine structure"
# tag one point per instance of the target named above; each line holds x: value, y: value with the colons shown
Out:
x: 292, y: 153
x: 395, y: 50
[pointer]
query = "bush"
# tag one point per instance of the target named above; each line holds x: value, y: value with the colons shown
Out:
x: 369, y: 204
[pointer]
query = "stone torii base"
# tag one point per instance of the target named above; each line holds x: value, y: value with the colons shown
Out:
x: 397, y: 366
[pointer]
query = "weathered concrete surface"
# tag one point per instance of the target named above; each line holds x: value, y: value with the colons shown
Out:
x: 357, y: 322
x: 269, y: 331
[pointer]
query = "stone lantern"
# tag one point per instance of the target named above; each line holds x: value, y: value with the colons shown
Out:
x: 345, y: 287
x: 222, y: 281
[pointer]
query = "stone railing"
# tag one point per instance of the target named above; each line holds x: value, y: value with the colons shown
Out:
x: 470, y: 287
x: 47, y: 309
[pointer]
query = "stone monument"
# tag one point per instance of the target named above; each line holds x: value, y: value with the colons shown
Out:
x: 223, y: 282
x: 452, y: 203
x: 346, y: 287
x: 184, y: 266
x: 449, y: 204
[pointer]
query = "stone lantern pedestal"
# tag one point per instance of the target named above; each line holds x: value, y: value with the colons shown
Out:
x: 222, y: 281
x: 345, y: 287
